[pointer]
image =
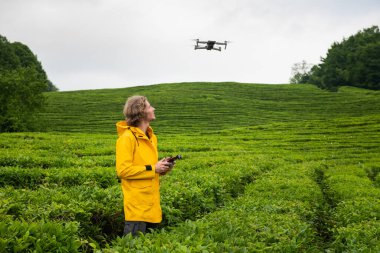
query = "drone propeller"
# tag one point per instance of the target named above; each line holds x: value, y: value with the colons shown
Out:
x: 227, y: 42
x: 196, y: 40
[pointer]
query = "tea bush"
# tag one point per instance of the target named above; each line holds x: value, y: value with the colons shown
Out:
x: 357, y: 206
x: 19, y: 236
x: 266, y: 168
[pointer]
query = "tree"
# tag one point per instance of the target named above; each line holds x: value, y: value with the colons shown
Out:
x: 301, y: 72
x: 21, y: 96
x: 353, y: 62
x: 17, y: 55
x: 22, y: 83
x: 8, y: 58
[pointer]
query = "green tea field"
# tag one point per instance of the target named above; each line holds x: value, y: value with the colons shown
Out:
x: 265, y: 168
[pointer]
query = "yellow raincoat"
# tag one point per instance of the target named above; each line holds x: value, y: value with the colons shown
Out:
x: 136, y: 156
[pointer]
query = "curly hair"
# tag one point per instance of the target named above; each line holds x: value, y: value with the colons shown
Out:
x: 134, y: 110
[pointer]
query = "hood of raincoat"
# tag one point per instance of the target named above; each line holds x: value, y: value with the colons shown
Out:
x: 122, y: 126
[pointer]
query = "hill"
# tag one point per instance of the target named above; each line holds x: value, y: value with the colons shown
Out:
x: 203, y: 107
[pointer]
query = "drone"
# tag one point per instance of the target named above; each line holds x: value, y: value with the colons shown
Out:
x: 210, y: 45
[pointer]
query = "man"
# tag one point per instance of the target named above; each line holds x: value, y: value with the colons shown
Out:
x: 138, y: 167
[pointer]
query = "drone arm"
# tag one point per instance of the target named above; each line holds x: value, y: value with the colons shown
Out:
x: 222, y: 43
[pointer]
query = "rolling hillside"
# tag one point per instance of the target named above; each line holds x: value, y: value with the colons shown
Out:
x: 202, y: 107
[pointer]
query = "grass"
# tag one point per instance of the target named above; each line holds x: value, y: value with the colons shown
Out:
x: 272, y: 168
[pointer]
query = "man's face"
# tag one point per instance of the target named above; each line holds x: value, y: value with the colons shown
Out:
x: 149, y: 112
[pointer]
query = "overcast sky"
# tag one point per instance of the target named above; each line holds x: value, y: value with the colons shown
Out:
x: 93, y: 44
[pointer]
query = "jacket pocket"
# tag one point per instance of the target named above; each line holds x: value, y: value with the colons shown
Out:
x: 141, y: 183
x: 141, y: 192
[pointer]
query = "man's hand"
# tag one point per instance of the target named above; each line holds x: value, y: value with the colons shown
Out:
x: 163, y: 166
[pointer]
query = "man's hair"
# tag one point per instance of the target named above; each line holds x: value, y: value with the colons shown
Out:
x: 134, y: 110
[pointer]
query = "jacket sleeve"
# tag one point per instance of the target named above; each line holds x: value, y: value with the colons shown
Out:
x: 124, y: 161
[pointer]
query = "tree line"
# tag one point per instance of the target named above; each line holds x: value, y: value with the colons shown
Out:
x: 355, y: 61
x: 22, y: 82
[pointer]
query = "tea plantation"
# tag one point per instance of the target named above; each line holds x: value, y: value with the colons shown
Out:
x: 266, y: 168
